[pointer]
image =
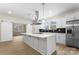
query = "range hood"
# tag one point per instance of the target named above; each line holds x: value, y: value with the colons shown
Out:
x: 36, y: 20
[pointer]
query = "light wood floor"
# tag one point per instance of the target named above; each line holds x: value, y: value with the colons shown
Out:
x: 17, y: 47
x: 64, y: 50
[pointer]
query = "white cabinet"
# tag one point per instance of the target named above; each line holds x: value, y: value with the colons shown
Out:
x: 43, y: 45
x: 28, y: 40
x: 25, y: 39
x: 31, y: 41
x: 61, y: 37
x: 51, y: 44
x: 61, y: 22
x: 35, y: 40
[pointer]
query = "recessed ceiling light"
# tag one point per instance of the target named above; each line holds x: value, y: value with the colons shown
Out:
x: 10, y: 12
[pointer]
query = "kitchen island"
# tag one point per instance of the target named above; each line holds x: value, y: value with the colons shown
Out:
x: 43, y: 43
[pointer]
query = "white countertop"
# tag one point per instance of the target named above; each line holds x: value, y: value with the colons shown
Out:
x: 43, y: 35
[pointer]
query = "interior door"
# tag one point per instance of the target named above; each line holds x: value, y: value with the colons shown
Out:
x: 6, y: 31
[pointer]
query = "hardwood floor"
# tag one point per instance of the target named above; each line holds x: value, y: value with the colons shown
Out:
x: 18, y: 47
x: 64, y: 50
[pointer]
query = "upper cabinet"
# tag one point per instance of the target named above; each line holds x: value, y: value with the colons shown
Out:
x: 56, y: 22
x: 48, y: 24
x: 61, y: 22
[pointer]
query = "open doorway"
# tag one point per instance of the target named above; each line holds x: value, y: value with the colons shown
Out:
x: 18, y: 29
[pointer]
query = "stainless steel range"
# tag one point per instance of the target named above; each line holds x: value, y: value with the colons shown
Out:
x: 72, y: 33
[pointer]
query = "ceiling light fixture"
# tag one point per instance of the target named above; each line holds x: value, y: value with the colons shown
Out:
x: 36, y: 19
x: 9, y: 12
x: 43, y: 4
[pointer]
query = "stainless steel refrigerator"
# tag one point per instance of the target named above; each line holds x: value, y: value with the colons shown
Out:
x: 72, y: 33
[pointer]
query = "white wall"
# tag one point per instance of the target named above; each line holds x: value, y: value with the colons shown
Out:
x: 29, y: 28
x: 6, y: 31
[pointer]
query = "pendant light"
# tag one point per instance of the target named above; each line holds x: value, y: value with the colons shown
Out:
x: 42, y: 20
x: 43, y: 4
x: 43, y: 9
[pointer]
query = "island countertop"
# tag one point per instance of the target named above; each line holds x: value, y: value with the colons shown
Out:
x: 42, y: 35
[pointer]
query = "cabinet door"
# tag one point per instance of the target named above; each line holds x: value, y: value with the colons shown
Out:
x: 63, y: 38
x: 24, y: 39
x: 60, y: 38
x: 51, y: 44
x: 28, y: 40
x: 35, y: 43
x: 42, y: 45
x: 31, y: 41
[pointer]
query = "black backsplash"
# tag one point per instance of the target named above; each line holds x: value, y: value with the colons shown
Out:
x: 58, y: 30
x: 61, y: 30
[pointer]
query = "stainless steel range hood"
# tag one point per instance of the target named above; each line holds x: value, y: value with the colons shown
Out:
x: 36, y: 19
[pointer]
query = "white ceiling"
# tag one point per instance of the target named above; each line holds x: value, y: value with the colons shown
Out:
x: 26, y: 10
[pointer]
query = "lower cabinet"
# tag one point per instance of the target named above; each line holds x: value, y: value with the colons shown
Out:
x: 42, y: 45
x: 39, y: 44
x: 31, y: 43
x: 61, y: 38
x: 35, y: 45
x: 25, y: 39
x: 28, y: 40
